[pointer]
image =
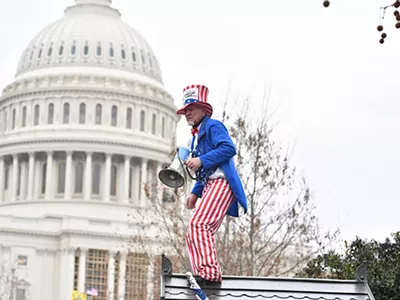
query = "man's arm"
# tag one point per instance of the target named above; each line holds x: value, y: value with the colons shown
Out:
x: 223, y: 144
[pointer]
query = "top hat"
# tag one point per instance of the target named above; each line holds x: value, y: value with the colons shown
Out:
x: 196, y: 95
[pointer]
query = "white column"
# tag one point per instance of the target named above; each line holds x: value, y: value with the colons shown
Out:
x: 2, y: 178
x: 68, y: 177
x: 30, y: 176
x: 149, y: 120
x: 159, y: 187
x: 67, y: 273
x: 107, y: 178
x: 122, y: 270
x: 143, y: 182
x: 111, y: 274
x: 14, y: 181
x: 82, y: 270
x: 9, y: 118
x: 127, y: 184
x: 88, y: 176
x: 122, y: 115
x: 49, y: 176
x: 22, y: 192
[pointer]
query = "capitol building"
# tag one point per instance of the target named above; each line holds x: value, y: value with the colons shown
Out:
x: 85, y: 125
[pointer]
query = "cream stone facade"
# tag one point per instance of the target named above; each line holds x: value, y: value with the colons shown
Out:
x: 84, y: 126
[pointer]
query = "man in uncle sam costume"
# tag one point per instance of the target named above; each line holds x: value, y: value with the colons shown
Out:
x: 217, y: 183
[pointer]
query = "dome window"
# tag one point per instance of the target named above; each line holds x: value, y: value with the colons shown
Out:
x: 66, y: 113
x: 33, y: 51
x: 44, y: 171
x: 129, y: 118
x: 113, y: 183
x: 98, y: 114
x: 133, y: 55
x: 154, y: 124
x: 114, y: 115
x: 50, y: 51
x: 150, y: 61
x: 142, y: 120
x: 73, y: 49
x: 130, y: 181
x: 40, y: 53
x: 23, y: 121
x: 98, y: 50
x: 61, y: 178
x: 36, y: 115
x: 143, y: 59
x: 13, y: 119
x: 82, y: 113
x: 79, y: 178
x: 6, y: 177
x: 123, y: 54
x: 18, y: 194
x: 86, y: 50
x: 61, y: 50
x: 96, y: 171
x: 50, y: 114
x: 111, y: 50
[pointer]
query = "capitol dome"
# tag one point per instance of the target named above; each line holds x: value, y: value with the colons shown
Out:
x: 90, y: 34
x: 85, y: 126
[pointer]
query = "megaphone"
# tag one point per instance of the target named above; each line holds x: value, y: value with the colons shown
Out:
x: 175, y: 175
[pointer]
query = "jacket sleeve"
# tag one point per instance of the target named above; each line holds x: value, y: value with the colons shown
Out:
x: 222, y: 144
x: 198, y: 189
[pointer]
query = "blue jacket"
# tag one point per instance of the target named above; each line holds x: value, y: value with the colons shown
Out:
x: 217, y: 150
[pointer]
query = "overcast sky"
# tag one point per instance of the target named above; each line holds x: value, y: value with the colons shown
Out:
x: 337, y: 87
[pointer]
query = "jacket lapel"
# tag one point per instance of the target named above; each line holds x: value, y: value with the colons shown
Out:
x: 203, y: 128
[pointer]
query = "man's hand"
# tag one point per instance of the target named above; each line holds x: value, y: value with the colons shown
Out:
x: 191, y: 201
x: 194, y: 163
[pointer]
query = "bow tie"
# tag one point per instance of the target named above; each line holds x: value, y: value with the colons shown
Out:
x: 195, y: 131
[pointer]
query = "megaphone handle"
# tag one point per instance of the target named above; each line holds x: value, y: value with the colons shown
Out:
x: 190, y: 175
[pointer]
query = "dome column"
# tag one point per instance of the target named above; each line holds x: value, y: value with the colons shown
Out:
x: 14, y: 182
x: 68, y: 177
x: 127, y: 168
x: 30, y: 176
x: 88, y: 176
x: 159, y: 188
x: 2, y: 177
x: 49, y: 176
x: 143, y: 183
x: 107, y: 178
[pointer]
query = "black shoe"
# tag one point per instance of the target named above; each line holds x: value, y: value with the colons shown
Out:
x: 206, y: 283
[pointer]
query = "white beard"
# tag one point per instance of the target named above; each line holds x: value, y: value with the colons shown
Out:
x: 190, y: 123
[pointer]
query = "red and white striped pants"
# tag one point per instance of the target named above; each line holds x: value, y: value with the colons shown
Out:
x: 204, y: 223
